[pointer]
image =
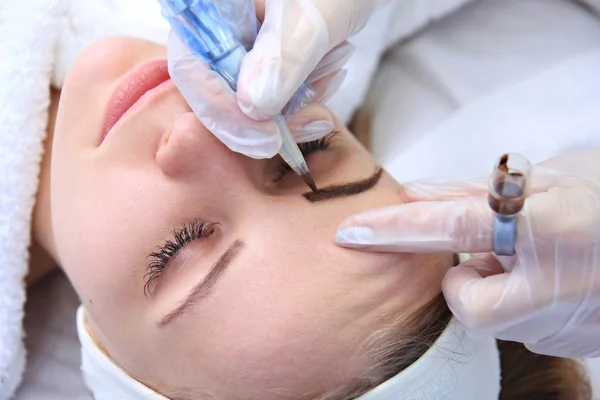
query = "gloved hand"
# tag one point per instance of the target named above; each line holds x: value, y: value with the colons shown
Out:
x: 215, y: 105
x: 550, y: 298
x: 295, y: 41
x: 300, y: 40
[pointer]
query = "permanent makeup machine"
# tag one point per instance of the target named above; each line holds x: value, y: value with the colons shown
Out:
x: 210, y: 35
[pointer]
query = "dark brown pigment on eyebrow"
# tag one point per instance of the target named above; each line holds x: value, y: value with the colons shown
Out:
x: 345, y: 190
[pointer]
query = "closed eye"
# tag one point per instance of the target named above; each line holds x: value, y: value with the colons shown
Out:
x: 160, y: 259
x: 306, y: 149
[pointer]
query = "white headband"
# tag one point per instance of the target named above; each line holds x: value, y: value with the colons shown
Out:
x: 456, y: 367
x: 105, y: 379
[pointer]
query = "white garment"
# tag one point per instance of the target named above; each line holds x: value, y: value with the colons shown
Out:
x: 500, y: 75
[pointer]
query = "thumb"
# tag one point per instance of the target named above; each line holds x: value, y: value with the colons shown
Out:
x: 457, y: 226
x: 290, y: 44
x: 474, y: 290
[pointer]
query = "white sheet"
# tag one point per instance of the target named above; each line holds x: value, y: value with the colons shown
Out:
x: 498, y: 75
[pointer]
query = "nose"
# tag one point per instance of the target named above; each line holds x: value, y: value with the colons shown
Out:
x: 189, y: 151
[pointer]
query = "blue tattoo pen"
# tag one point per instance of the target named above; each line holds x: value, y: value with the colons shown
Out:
x: 200, y: 25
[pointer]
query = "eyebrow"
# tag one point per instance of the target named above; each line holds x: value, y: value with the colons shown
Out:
x: 345, y: 189
x: 202, y: 289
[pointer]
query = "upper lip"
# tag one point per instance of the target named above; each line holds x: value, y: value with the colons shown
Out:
x: 131, y: 88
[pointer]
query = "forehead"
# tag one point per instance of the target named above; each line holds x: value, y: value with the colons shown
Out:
x: 266, y: 316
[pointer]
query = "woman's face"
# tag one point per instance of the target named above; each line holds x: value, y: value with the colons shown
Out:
x: 247, y: 295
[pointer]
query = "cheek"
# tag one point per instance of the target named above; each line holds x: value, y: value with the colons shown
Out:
x: 100, y: 221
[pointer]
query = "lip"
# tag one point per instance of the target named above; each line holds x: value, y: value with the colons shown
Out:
x: 130, y: 91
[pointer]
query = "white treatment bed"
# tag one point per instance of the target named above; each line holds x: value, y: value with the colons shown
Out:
x: 445, y: 102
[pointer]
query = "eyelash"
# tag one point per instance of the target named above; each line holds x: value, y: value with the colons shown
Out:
x: 158, y: 260
x: 306, y: 149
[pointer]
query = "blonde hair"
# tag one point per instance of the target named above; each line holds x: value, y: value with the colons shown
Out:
x: 525, y: 375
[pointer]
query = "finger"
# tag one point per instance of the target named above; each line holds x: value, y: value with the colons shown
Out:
x: 332, y: 62
x: 565, y: 215
x: 486, y: 264
x: 476, y: 292
x: 459, y: 226
x: 541, y: 180
x: 311, y: 123
x: 444, y: 189
x: 290, y: 44
x: 215, y: 104
x: 489, y: 301
x: 326, y: 87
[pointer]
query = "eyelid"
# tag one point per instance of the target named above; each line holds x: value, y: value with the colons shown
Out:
x: 187, y: 233
x: 306, y: 148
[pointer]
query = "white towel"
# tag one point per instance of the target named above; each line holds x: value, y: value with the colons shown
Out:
x: 28, y: 32
x: 40, y: 40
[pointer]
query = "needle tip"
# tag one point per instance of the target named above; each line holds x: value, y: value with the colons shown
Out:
x: 308, y: 179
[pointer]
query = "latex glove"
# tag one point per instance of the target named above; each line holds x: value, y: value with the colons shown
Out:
x: 299, y: 41
x: 215, y: 105
x: 295, y: 42
x: 550, y: 299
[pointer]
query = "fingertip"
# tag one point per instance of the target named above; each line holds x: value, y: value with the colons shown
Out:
x: 354, y: 236
x: 374, y: 230
x: 313, y: 131
x: 311, y: 123
x: 333, y: 61
x: 249, y: 106
x: 329, y: 85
